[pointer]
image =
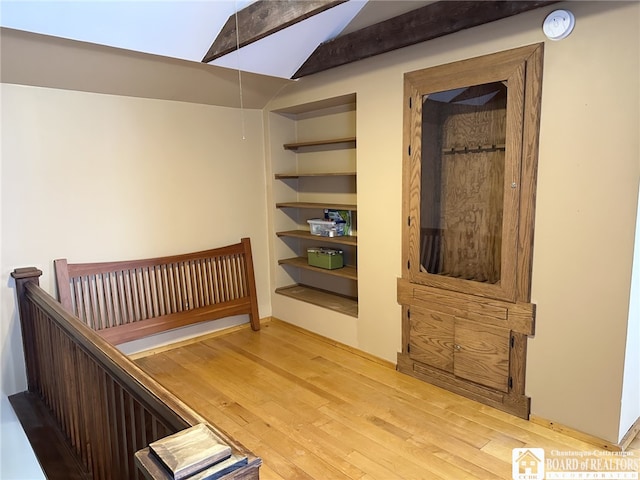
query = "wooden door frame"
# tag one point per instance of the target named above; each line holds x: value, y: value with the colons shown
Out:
x: 516, y: 286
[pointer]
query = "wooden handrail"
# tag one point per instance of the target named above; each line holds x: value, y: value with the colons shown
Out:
x: 106, y: 407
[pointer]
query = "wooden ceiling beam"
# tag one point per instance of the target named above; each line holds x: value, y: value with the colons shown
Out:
x: 263, y: 18
x: 426, y: 23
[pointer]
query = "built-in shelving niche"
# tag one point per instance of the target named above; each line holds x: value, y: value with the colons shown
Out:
x: 313, y: 151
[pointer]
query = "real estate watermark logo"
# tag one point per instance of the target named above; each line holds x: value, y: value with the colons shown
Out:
x: 533, y: 464
x: 528, y: 463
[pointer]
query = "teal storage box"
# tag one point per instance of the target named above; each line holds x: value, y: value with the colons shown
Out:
x: 329, y: 258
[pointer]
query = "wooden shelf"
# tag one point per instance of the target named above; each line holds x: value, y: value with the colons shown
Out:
x: 321, y: 298
x: 348, y: 271
x: 330, y: 177
x: 334, y: 206
x: 318, y: 143
x: 351, y: 240
x: 284, y: 176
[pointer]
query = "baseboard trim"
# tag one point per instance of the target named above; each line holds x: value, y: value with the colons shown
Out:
x: 343, y: 346
x: 198, y: 338
x: 264, y: 322
x: 585, y: 437
x: 631, y: 434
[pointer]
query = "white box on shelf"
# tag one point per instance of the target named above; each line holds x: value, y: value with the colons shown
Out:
x: 326, y: 228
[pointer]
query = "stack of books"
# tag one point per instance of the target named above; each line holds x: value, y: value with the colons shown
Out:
x: 196, y: 453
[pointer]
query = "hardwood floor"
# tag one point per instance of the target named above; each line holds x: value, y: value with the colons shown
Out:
x: 315, y: 410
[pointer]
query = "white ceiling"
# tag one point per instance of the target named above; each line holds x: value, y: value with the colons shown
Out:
x: 169, y: 28
x: 282, y: 53
x: 185, y: 29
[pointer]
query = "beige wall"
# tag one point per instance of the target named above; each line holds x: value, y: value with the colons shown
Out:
x: 587, y: 194
x: 97, y: 177
x: 73, y: 164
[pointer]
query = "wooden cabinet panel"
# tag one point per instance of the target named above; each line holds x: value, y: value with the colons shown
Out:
x: 468, y: 349
x: 431, y: 338
x: 482, y: 354
x: 469, y: 172
x: 469, y: 175
x: 472, y: 346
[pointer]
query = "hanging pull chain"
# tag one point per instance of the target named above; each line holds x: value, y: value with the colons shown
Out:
x: 242, y: 122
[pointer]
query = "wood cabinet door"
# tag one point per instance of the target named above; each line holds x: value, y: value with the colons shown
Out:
x: 481, y: 353
x: 470, y: 133
x: 469, y: 349
x: 431, y: 338
x: 466, y: 344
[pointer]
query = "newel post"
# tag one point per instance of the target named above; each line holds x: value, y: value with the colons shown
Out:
x: 22, y: 277
x: 254, y: 316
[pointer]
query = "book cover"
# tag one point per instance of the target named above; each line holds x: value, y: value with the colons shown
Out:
x: 220, y: 469
x: 340, y: 216
x: 190, y: 451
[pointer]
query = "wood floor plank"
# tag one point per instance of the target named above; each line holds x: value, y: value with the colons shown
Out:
x: 380, y: 450
x: 472, y: 470
x: 501, y: 446
x: 531, y: 434
x: 329, y: 449
x: 296, y: 379
x: 419, y: 442
x: 399, y: 409
x: 316, y: 410
x: 374, y: 470
x: 296, y: 453
x: 263, y: 423
x: 373, y: 397
x: 179, y: 380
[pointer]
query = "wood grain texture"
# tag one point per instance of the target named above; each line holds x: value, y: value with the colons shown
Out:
x: 469, y: 176
x: 486, y: 341
x: 469, y: 191
x: 260, y: 19
x: 529, y: 168
x: 467, y: 349
x: 54, y: 454
x: 284, y: 176
x: 316, y: 205
x: 189, y: 451
x: 235, y: 467
x: 322, y: 298
x: 127, y: 300
x: 558, y: 427
x: 347, y: 271
x: 314, y: 410
x: 518, y: 363
x: 104, y: 406
x: 305, y: 235
x: 319, y: 143
x: 432, y: 338
x: 422, y: 24
x: 519, y: 316
x: 482, y: 354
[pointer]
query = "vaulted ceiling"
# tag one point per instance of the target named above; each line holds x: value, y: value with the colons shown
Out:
x: 282, y: 38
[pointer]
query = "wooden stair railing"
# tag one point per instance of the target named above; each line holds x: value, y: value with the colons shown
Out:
x: 105, y: 407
